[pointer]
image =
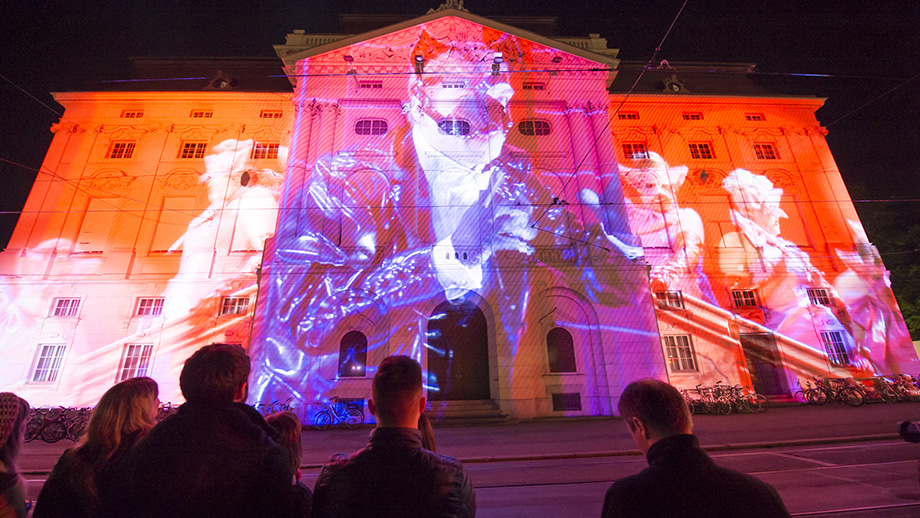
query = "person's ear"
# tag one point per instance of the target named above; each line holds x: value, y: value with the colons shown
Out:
x: 242, y: 393
x: 421, y: 405
x: 372, y: 407
x: 638, y: 427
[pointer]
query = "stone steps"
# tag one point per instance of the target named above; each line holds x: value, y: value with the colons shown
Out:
x: 473, y: 411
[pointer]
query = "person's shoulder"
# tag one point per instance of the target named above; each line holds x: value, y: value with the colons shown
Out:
x: 757, y: 493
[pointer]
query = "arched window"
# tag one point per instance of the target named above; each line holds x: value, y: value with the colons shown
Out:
x: 536, y: 127
x: 353, y: 355
x: 560, y: 348
x: 371, y: 127
x: 454, y: 127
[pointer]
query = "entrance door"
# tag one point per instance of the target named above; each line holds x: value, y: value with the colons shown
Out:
x: 458, y: 353
x: 762, y: 359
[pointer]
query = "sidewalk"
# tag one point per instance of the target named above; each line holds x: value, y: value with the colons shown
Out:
x: 592, y: 437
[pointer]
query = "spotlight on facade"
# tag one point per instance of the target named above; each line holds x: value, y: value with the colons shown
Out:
x: 496, y: 63
x: 419, y: 64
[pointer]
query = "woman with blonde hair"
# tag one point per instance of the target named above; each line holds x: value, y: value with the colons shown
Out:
x: 13, y: 413
x: 81, y: 478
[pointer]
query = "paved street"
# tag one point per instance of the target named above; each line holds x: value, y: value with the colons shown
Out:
x: 824, y: 461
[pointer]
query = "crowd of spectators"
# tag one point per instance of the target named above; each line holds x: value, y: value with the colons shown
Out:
x: 218, y: 457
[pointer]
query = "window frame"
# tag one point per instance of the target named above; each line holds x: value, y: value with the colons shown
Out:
x: 138, y: 368
x: 701, y: 151
x: 192, y: 149
x: 669, y: 299
x: 370, y: 85
x: 132, y: 114
x: 533, y: 85
x: 632, y: 151
x: 149, y: 306
x: 71, y: 311
x: 628, y: 116
x: 564, y: 363
x: 234, y: 306
x: 835, y: 347
x: 692, y: 116
x: 765, y: 151
x: 121, y: 149
x: 534, y: 127
x: 462, y: 124
x: 360, y: 354
x: 754, y: 117
x: 818, y: 296
x: 201, y: 114
x: 48, y: 367
x: 265, y: 150
x: 748, y: 299
x: 375, y: 128
x: 271, y: 114
x: 674, y: 348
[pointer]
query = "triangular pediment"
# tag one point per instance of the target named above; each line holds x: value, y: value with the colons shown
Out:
x: 475, y: 37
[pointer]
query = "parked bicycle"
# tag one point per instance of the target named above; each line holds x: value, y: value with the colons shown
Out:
x: 339, y: 411
x: 275, y: 406
x: 835, y: 389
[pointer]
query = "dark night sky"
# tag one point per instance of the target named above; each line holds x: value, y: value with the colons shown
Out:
x: 54, y: 45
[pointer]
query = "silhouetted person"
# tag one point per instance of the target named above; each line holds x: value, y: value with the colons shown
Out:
x: 681, y: 480
x: 13, y: 413
x: 288, y: 433
x: 394, y: 476
x: 214, y: 457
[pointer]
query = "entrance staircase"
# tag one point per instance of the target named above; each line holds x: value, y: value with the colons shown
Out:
x: 464, y: 412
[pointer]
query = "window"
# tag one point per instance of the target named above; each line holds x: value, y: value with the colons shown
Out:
x: 669, y: 299
x: 270, y: 114
x: 132, y: 114
x: 628, y: 116
x: 701, y: 150
x: 353, y: 355
x: 765, y: 151
x: 453, y: 84
x: 371, y: 127
x: 376, y: 85
x: 67, y: 307
x: 680, y: 355
x: 193, y: 149
x: 836, y: 349
x: 136, y: 361
x: 49, y: 361
x: 818, y: 296
x: 635, y: 150
x: 454, y: 127
x: 150, y: 307
x: 234, y: 306
x: 265, y: 150
x: 121, y: 149
x: 744, y: 299
x: 201, y: 114
x: 533, y: 85
x: 692, y: 116
x: 754, y: 117
x: 560, y: 349
x: 536, y: 127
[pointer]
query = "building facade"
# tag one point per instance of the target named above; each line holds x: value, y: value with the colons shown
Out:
x: 521, y: 214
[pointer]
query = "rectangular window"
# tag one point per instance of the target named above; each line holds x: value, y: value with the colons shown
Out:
x: 136, y: 361
x: 701, y: 150
x: 375, y: 85
x: 150, y: 307
x: 533, y: 85
x: 765, y: 151
x: 635, y: 150
x: 271, y: 114
x: 66, y: 307
x: 680, y: 353
x: 628, y: 116
x: 836, y: 349
x: 234, y: 306
x: 744, y: 299
x: 98, y: 223
x: 453, y: 84
x: 132, y: 114
x: 49, y: 361
x: 265, y: 150
x: 669, y: 299
x: 175, y: 216
x: 692, y: 116
x: 201, y: 114
x: 193, y: 149
x: 818, y: 296
x: 754, y: 117
x: 121, y: 149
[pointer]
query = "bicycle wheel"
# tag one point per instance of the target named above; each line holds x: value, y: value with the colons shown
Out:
x: 724, y: 405
x: 887, y: 394
x: 354, y: 418
x: 799, y: 396
x: 816, y: 396
x: 322, y: 420
x: 759, y: 403
x: 33, y: 430
x: 76, y: 430
x: 53, y: 431
x: 852, y: 397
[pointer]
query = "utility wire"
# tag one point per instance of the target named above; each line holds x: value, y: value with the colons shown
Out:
x: 872, y: 101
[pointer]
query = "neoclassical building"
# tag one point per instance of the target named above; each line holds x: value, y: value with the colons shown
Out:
x: 534, y: 221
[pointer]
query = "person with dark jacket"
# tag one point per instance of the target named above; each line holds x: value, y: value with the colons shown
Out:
x: 681, y: 480
x: 394, y: 476
x: 82, y: 479
x: 214, y: 457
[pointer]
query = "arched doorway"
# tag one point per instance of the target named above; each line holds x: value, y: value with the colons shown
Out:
x: 458, y: 352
